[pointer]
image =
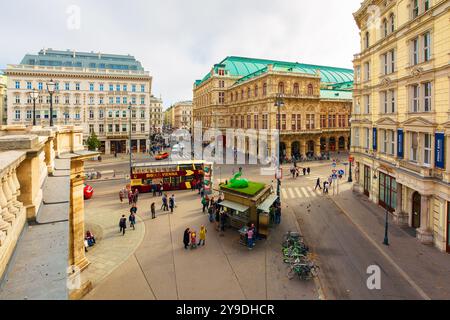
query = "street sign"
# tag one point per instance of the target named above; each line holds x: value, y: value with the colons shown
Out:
x: 341, y: 172
x: 334, y: 165
x: 334, y: 177
x: 351, y: 159
x: 334, y: 171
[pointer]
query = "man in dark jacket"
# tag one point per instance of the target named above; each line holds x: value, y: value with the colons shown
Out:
x: 123, y: 224
x: 153, y: 210
x: 186, y: 237
x: 171, y: 204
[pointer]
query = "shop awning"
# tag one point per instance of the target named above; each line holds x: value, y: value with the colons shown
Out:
x: 265, y: 206
x: 234, y: 206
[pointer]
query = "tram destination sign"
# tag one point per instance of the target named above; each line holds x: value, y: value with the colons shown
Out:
x: 169, y: 174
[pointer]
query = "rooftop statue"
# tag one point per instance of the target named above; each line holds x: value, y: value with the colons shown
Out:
x: 237, y: 183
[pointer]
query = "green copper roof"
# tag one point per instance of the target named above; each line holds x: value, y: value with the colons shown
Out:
x: 336, y: 94
x: 241, y: 67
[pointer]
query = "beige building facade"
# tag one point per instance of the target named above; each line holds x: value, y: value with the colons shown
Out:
x: 400, y: 122
x: 156, y: 115
x: 93, y: 90
x: 241, y: 93
x: 181, y: 115
x: 3, y: 99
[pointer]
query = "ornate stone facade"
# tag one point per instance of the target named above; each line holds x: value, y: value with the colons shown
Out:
x: 241, y: 93
x: 400, y: 122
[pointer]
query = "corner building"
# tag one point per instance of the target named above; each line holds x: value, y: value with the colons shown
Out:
x: 93, y: 90
x: 241, y: 93
x: 400, y: 122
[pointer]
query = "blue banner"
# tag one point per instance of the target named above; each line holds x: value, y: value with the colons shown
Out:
x: 375, y: 146
x: 400, y: 143
x: 440, y: 150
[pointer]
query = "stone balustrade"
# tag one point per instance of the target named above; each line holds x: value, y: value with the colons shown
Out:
x: 12, y: 210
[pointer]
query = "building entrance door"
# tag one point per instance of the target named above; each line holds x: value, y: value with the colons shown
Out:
x: 448, y: 227
x: 416, y: 210
x: 367, y: 180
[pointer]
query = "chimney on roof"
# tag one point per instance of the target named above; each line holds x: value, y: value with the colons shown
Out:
x: 270, y: 67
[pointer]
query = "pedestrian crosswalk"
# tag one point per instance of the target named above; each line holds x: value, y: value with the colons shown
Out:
x: 299, y: 193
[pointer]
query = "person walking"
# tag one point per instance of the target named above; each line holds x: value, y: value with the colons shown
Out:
x: 202, y: 235
x: 204, y: 204
x: 133, y: 209
x: 278, y: 215
x: 161, y: 189
x: 130, y: 197
x: 318, y: 184
x: 211, y: 211
x: 186, y: 237
x: 121, y: 195
x: 308, y: 170
x: 154, y: 189
x: 304, y: 171
x: 250, y: 239
x: 164, y: 206
x: 153, y: 210
x: 171, y: 203
x: 132, y: 220
x: 123, y: 224
x: 136, y: 195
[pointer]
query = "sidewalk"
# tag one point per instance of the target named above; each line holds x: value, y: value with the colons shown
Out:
x: 424, y: 267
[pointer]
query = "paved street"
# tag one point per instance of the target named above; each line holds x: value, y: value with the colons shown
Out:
x: 344, y: 232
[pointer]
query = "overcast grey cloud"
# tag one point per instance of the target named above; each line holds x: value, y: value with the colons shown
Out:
x: 178, y: 41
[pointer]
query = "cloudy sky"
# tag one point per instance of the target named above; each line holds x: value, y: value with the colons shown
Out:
x: 178, y: 41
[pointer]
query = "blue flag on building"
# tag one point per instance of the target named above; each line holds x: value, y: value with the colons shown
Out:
x: 375, y: 147
x: 400, y: 144
x: 439, y: 150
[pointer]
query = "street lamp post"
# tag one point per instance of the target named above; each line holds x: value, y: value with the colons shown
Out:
x: 350, y: 164
x: 279, y: 103
x: 51, y: 90
x: 129, y: 140
x: 34, y: 94
x: 386, y: 227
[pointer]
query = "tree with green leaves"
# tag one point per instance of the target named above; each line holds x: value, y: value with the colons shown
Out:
x: 92, y: 142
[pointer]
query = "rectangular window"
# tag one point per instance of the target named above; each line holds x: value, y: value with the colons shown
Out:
x: 142, y: 100
x: 77, y: 115
x: 101, y: 88
x: 117, y: 87
x: 415, y: 51
x: 101, y: 114
x: 111, y: 87
x: 392, y: 61
x: 66, y: 86
x: 133, y: 100
x: 255, y: 122
x: 142, y: 114
x: 221, y: 97
x: 249, y: 122
x: 125, y: 87
x: 124, y: 127
x: 110, y: 128
x: 133, y: 88
x: 17, y: 99
x: 117, y: 100
x: 392, y: 95
x: 17, y: 84
x: 125, y: 100
x: 91, y: 87
x: 77, y: 86
x: 100, y: 100
x: 415, y: 92
x: 427, y: 149
x: 392, y: 141
x: 133, y: 114
x: 133, y: 127
x: 91, y: 128
x: 17, y: 115
x: 427, y: 96
x: 101, y: 128
x: 310, y: 125
x: 264, y: 121
x: 385, y: 140
x: 426, y: 47
x: 415, y: 9
x: 29, y: 87
x: 356, y: 137
x: 366, y: 71
x: 367, y: 104
x: 142, y: 88
x: 283, y: 122
x: 117, y: 128
x: 367, y: 142
x: 414, y: 146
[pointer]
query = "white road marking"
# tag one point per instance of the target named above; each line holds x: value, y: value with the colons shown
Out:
x: 299, y: 194
x: 291, y: 193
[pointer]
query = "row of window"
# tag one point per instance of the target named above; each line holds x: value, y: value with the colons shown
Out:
x: 235, y: 96
x: 419, y: 145
x: 418, y: 7
x: 420, y: 52
x: 91, y: 100
x: 420, y: 100
x: 42, y: 114
x: 116, y: 128
x: 67, y: 86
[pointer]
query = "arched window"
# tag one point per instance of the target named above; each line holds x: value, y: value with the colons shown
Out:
x: 310, y: 89
x: 281, y: 87
x: 264, y: 89
x: 367, y: 40
x: 296, y: 89
x: 392, y: 22
x: 256, y: 90
x: 242, y: 94
x: 249, y: 93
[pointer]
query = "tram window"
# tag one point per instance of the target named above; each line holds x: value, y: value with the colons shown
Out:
x: 198, y: 167
x: 185, y: 167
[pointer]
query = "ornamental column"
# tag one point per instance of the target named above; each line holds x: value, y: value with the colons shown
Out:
x: 424, y: 234
x: 303, y: 148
